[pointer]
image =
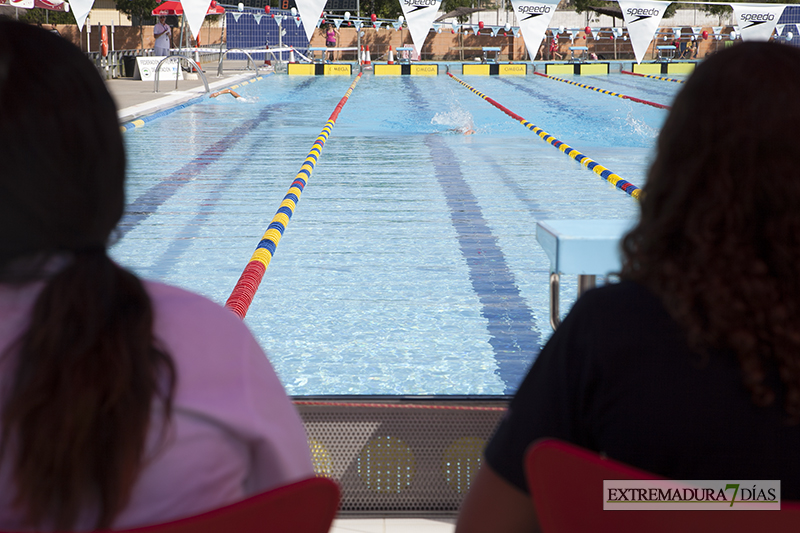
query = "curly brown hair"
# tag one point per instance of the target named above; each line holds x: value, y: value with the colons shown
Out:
x: 719, y: 236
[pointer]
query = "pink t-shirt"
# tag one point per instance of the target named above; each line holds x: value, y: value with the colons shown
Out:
x: 234, y: 431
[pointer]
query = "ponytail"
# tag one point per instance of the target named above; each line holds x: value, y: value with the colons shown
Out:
x: 78, y: 408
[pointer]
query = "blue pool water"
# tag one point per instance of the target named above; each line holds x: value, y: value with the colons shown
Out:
x: 411, y: 264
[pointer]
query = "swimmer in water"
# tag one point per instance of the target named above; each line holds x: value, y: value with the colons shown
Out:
x: 225, y: 91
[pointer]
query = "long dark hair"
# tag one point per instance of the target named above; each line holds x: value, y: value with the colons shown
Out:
x: 719, y: 235
x: 76, y: 408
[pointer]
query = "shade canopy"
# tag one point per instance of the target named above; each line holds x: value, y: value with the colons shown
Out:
x: 173, y: 7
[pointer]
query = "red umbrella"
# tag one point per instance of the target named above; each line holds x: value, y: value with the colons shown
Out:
x: 173, y: 7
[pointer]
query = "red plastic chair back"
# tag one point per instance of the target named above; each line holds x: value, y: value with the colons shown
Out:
x: 566, y: 484
x: 308, y: 506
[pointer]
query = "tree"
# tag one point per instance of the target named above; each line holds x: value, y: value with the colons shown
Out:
x: 46, y: 16
x: 138, y: 11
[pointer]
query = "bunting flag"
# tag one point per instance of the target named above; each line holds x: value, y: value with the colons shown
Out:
x: 299, y: 20
x: 757, y: 21
x: 397, y: 25
x: 278, y: 19
x: 236, y: 15
x: 258, y: 17
x: 642, y: 18
x: 419, y: 17
x: 595, y: 33
x: 496, y: 30
x: 80, y: 10
x: 194, y: 11
x: 309, y: 13
x: 358, y: 24
x: 337, y: 22
x: 533, y: 17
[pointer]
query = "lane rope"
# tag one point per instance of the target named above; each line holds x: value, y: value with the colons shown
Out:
x: 245, y: 290
x: 585, y: 161
x: 652, y: 76
x: 604, y: 91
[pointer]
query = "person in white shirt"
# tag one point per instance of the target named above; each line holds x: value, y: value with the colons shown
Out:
x: 161, y: 31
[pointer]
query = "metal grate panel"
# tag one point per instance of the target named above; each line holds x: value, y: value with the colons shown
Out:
x: 396, y: 457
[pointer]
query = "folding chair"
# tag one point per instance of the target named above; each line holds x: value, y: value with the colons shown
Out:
x: 308, y: 506
x: 566, y: 484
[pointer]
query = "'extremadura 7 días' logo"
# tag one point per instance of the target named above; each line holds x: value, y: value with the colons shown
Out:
x: 667, y: 495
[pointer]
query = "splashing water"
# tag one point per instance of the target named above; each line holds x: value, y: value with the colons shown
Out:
x: 639, y: 127
x: 456, y: 119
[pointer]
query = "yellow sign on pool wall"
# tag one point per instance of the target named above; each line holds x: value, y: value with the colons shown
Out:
x: 475, y: 70
x: 425, y: 70
x: 338, y: 69
x: 300, y: 69
x: 386, y: 70
x: 513, y: 70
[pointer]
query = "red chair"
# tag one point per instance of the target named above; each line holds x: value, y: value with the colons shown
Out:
x: 566, y: 483
x: 308, y: 506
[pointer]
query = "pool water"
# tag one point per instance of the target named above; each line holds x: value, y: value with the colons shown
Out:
x: 411, y: 265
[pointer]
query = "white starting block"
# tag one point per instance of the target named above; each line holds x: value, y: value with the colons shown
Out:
x: 489, y: 50
x: 588, y: 248
x: 404, y: 54
x: 584, y: 50
x: 666, y: 52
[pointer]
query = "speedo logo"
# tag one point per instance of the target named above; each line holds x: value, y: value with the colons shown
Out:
x: 533, y: 11
x: 756, y: 18
x: 642, y: 13
x: 420, y: 4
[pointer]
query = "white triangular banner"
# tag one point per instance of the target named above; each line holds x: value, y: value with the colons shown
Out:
x: 278, y: 19
x: 495, y: 30
x: 358, y: 24
x: 80, y: 10
x: 642, y: 18
x: 533, y: 18
x: 779, y: 29
x: 309, y: 13
x: 319, y: 22
x: 258, y: 17
x: 195, y: 12
x: 298, y: 21
x: 420, y: 15
x: 756, y: 21
x: 397, y: 25
x: 236, y: 15
x: 595, y: 33
x: 337, y: 23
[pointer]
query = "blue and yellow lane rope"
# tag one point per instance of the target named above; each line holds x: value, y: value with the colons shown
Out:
x: 585, y: 161
x: 652, y: 76
x: 243, y: 293
x: 604, y: 91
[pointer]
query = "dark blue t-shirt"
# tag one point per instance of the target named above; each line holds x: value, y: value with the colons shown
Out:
x: 618, y: 377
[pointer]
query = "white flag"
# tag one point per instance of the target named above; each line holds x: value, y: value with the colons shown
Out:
x: 419, y: 17
x: 756, y: 21
x: 23, y: 4
x: 642, y: 18
x: 310, y: 11
x: 533, y: 19
x: 195, y: 12
x: 80, y: 10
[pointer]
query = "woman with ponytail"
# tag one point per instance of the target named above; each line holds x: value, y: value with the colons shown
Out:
x: 689, y: 367
x: 123, y: 402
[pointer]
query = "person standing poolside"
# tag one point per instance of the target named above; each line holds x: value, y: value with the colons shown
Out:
x: 689, y: 367
x: 125, y: 402
x: 554, y: 49
x: 331, y: 35
x: 161, y: 31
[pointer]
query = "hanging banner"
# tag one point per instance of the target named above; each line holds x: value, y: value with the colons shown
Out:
x: 533, y: 18
x: 756, y: 21
x: 642, y: 18
x: 258, y: 16
x: 80, y: 10
x: 195, y: 12
x: 309, y: 13
x: 420, y: 15
x: 22, y: 4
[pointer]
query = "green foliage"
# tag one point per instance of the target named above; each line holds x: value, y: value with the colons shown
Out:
x: 139, y: 10
x: 45, y: 16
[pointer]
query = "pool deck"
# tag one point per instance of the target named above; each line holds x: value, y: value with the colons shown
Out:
x: 136, y: 98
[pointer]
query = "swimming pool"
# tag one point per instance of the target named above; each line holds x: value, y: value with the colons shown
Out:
x: 410, y: 265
